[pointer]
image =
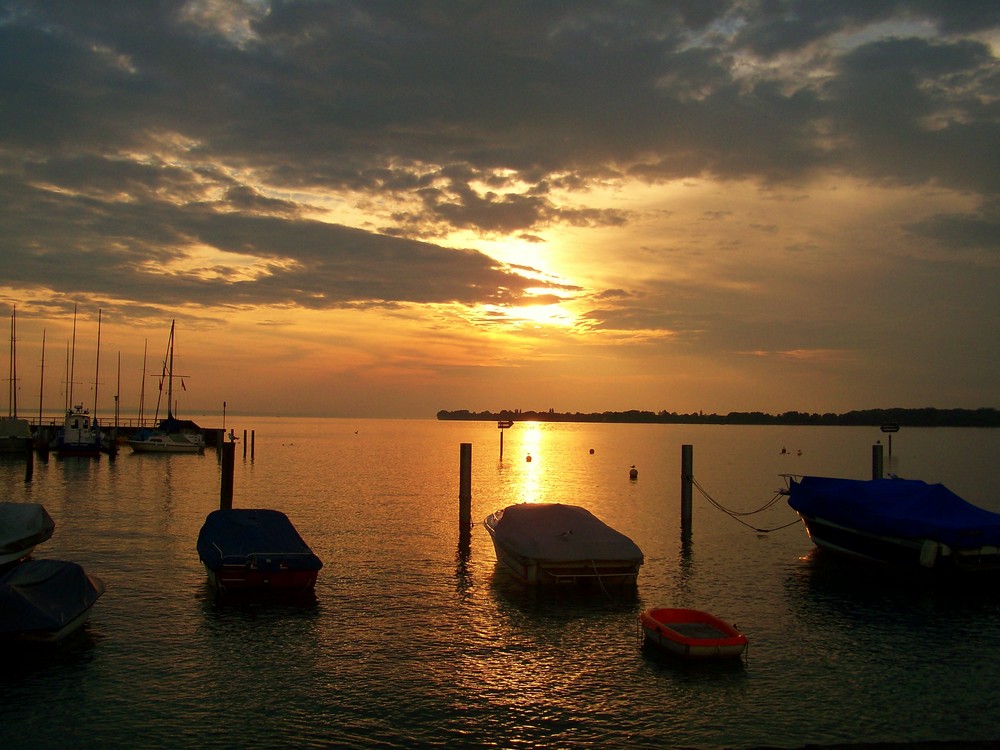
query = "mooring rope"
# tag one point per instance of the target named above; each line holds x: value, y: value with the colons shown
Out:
x: 736, y: 515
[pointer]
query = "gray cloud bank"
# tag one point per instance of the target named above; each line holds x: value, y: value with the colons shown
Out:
x: 132, y: 134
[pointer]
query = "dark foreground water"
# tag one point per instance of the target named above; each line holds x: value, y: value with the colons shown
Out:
x: 414, y: 642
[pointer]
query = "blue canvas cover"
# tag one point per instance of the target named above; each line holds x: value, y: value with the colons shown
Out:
x: 43, y: 596
x: 263, y: 538
x: 904, y: 508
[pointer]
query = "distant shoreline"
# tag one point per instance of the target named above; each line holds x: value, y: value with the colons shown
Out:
x: 889, y: 419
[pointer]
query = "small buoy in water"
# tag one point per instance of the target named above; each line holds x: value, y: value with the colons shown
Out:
x: 528, y: 458
x: 591, y: 451
x: 633, y: 473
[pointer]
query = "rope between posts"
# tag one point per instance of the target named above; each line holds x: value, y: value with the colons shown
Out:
x: 737, y: 515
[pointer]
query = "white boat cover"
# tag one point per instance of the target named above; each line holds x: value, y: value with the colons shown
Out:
x: 559, y: 533
x: 22, y: 526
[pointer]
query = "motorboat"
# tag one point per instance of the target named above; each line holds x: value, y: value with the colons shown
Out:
x: 23, y: 526
x: 79, y: 436
x: 691, y: 633
x: 256, y: 551
x: 44, y: 601
x: 554, y: 543
x: 171, y: 435
x: 905, y: 522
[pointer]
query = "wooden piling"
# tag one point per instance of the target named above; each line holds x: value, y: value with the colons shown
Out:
x: 877, y: 461
x: 29, y: 463
x: 687, y: 481
x: 253, y: 443
x: 465, y: 488
x: 228, y: 463
x: 244, y: 443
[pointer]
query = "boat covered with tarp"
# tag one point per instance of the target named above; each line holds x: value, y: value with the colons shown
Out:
x: 903, y: 521
x: 256, y: 551
x: 555, y: 543
x: 45, y: 600
x: 23, y: 526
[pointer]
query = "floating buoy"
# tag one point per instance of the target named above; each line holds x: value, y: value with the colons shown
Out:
x: 633, y: 473
x: 591, y: 451
x: 528, y: 458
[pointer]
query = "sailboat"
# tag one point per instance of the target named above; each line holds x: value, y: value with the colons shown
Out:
x: 15, y: 433
x: 80, y: 434
x: 171, y: 435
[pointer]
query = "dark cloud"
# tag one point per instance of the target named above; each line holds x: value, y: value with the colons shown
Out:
x: 131, y: 135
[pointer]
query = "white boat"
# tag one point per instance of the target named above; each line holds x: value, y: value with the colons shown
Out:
x: 171, y: 435
x: 553, y: 543
x: 79, y: 436
x: 23, y: 526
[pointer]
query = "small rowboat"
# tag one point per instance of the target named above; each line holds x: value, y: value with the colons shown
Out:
x: 691, y: 633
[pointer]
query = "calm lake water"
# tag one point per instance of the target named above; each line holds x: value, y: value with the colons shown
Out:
x: 412, y: 643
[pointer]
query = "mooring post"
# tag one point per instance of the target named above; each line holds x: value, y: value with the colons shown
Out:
x: 244, y: 443
x: 29, y: 463
x: 687, y: 479
x: 253, y: 443
x: 465, y: 489
x: 228, y: 462
x: 877, y: 461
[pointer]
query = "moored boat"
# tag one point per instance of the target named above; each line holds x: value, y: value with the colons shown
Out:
x: 553, y: 543
x: 15, y: 435
x: 23, y: 526
x: 171, y: 435
x: 79, y: 436
x: 904, y: 522
x: 691, y: 633
x: 256, y: 551
x: 44, y: 601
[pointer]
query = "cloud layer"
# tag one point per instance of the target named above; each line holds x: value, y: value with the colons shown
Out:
x: 707, y: 182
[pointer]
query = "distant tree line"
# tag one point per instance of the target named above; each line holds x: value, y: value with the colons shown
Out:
x: 925, y: 417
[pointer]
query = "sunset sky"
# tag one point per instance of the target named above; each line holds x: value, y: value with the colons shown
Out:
x: 390, y: 207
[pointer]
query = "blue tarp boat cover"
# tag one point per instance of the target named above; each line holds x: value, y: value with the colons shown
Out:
x: 253, y: 536
x: 904, y: 508
x: 43, y: 596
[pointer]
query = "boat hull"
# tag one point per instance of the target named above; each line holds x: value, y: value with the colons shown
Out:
x: 239, y: 579
x: 691, y: 634
x: 535, y: 572
x: 166, y: 444
x: 924, y: 554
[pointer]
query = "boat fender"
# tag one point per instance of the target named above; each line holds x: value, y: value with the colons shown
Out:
x: 928, y: 554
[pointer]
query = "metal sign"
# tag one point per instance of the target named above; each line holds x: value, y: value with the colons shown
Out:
x: 890, y: 427
x: 503, y: 424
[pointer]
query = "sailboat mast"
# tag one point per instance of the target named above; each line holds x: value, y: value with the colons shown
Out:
x: 97, y: 367
x: 41, y: 382
x: 72, y: 363
x: 142, y: 384
x: 170, y: 373
x: 12, y: 386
